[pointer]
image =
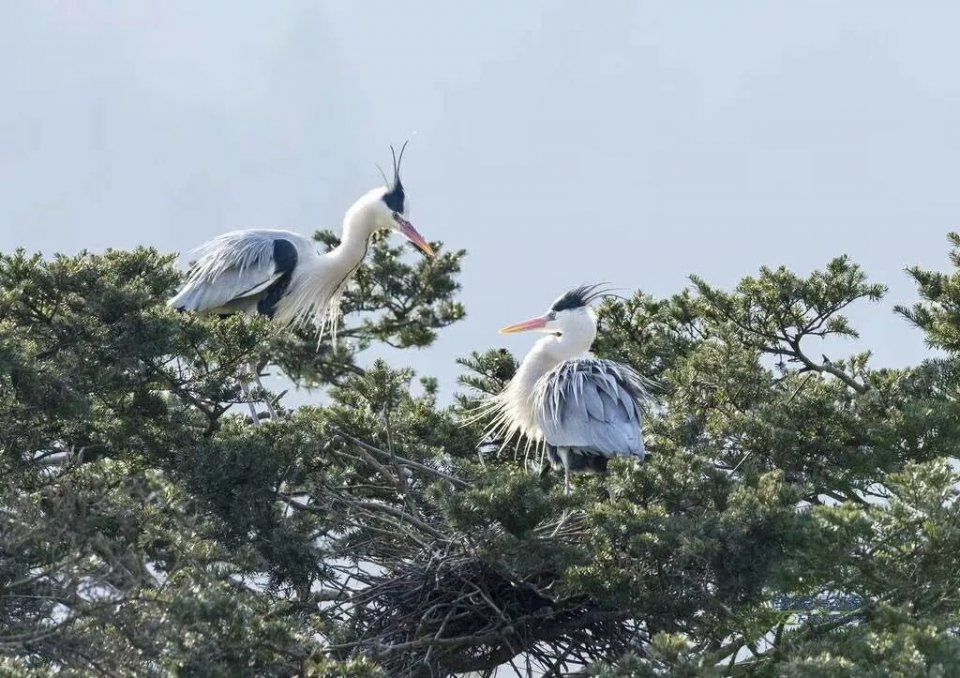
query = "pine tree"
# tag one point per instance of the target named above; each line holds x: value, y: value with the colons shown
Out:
x: 797, y: 515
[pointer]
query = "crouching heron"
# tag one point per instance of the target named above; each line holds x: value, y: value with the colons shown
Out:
x: 584, y: 409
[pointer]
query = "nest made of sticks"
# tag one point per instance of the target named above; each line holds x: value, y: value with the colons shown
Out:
x: 459, y: 613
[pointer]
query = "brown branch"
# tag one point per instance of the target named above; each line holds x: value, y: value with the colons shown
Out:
x: 376, y: 507
x: 829, y: 368
x: 502, y: 638
x: 400, y: 515
x: 401, y: 460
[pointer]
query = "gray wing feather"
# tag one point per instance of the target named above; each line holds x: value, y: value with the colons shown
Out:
x: 232, y: 266
x: 592, y: 404
x: 202, y: 295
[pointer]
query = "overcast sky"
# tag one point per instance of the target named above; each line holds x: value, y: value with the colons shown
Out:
x: 558, y: 142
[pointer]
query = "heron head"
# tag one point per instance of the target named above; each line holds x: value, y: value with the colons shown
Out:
x: 393, y: 207
x: 569, y: 314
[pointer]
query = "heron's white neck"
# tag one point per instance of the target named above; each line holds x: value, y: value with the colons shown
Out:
x: 313, y: 297
x: 315, y: 290
x: 359, y: 223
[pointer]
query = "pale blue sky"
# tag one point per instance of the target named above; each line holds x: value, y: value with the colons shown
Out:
x: 558, y: 142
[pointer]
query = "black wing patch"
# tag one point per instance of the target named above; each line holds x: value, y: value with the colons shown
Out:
x: 284, y: 262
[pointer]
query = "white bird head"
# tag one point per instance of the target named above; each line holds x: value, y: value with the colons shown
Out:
x: 569, y: 316
x: 389, y: 207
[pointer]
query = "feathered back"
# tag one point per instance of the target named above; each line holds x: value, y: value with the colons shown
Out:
x: 238, y: 250
x: 593, y: 404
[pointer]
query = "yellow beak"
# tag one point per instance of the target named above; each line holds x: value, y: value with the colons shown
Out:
x: 526, y: 325
x: 411, y: 234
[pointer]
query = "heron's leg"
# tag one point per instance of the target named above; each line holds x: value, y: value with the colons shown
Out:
x: 256, y: 376
x: 567, y: 489
x: 246, y: 394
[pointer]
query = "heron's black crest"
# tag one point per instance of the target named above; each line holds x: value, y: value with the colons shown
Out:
x: 581, y: 296
x: 395, y: 197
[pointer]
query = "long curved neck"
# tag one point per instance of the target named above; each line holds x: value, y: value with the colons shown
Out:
x: 326, y: 276
x: 314, y: 292
x: 358, y: 226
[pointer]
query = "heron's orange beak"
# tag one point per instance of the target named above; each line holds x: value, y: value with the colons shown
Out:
x: 411, y: 234
x: 526, y: 326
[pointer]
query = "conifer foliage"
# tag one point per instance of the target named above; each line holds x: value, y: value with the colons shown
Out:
x: 797, y: 515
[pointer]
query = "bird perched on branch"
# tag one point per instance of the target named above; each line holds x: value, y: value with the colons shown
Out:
x: 280, y: 274
x: 584, y: 409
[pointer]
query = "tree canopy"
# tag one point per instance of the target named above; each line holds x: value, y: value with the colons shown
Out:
x: 797, y: 515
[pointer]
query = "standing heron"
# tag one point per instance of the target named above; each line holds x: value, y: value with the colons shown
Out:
x: 584, y: 409
x: 280, y: 274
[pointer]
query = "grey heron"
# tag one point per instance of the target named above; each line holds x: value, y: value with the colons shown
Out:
x: 280, y: 274
x: 585, y: 410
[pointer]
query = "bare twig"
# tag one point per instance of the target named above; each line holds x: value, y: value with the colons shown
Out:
x: 401, y: 460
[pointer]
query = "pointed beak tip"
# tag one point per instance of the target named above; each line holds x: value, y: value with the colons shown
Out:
x: 411, y: 234
x: 526, y: 326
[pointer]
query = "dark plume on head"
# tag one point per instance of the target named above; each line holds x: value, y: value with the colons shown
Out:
x: 395, y: 196
x: 578, y: 297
